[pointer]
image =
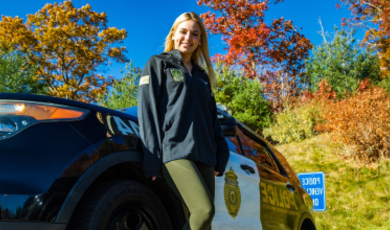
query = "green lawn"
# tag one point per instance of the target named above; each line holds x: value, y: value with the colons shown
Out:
x: 357, y: 198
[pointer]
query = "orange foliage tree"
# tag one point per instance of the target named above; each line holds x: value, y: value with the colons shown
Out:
x: 374, y: 17
x: 274, y: 53
x: 69, y: 45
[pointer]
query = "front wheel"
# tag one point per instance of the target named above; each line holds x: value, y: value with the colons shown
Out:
x: 120, y: 205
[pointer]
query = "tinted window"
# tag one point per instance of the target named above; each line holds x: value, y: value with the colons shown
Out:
x: 233, y: 144
x: 290, y: 172
x: 256, y: 151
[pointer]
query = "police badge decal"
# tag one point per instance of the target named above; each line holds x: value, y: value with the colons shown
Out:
x: 232, y: 193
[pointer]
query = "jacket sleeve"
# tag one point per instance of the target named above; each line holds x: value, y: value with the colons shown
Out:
x: 222, y: 146
x: 148, y: 118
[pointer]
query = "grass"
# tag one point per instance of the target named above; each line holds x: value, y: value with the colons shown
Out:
x: 357, y: 197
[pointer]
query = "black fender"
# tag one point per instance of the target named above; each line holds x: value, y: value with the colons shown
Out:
x: 89, y: 177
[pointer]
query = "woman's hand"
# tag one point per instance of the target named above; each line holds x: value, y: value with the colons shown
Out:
x: 216, y: 173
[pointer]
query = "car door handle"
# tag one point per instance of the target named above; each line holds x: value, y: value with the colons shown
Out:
x: 247, y: 167
x: 290, y: 186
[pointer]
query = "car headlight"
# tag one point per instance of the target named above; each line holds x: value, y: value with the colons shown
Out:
x: 16, y: 116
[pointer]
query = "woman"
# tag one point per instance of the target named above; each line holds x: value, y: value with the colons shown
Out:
x: 179, y: 128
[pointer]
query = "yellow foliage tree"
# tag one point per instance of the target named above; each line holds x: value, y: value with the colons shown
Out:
x: 69, y: 45
x: 374, y: 17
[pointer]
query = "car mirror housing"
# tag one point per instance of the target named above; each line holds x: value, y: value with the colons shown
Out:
x: 228, y: 125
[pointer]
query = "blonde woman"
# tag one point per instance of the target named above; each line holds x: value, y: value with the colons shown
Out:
x: 179, y: 128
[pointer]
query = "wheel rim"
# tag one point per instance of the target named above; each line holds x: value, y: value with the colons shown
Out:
x: 132, y: 217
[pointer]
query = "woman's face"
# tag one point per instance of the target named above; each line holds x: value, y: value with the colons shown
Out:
x: 187, y: 37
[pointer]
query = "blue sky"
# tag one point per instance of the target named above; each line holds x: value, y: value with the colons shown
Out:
x: 148, y: 21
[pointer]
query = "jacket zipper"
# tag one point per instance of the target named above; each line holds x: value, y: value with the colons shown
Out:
x: 196, y: 133
x: 196, y: 107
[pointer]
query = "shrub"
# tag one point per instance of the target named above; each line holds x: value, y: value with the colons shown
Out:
x: 361, y: 121
x: 294, y: 124
x: 243, y: 97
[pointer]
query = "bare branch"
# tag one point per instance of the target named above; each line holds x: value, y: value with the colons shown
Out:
x: 373, y: 6
x: 322, y: 32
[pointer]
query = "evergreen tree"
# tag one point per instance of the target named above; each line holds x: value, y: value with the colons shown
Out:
x: 124, y: 92
x: 342, y: 62
x: 18, y: 76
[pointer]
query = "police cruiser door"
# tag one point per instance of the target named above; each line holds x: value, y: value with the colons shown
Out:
x: 237, y: 200
x: 279, y: 208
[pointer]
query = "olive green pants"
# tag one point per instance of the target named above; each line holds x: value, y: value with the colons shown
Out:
x: 194, y: 184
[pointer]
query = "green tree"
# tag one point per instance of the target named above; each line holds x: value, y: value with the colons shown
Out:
x: 342, y: 62
x: 243, y: 97
x: 123, y: 93
x: 17, y: 75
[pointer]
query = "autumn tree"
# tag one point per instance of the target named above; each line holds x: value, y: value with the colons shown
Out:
x: 373, y: 16
x: 17, y: 75
x: 123, y: 93
x: 272, y: 52
x: 69, y: 45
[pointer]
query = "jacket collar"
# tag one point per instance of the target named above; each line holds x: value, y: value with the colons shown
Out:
x: 175, y: 56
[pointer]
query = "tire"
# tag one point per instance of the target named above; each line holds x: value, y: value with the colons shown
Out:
x: 119, y: 205
x: 308, y: 225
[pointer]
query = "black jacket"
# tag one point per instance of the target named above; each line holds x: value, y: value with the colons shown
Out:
x: 178, y: 115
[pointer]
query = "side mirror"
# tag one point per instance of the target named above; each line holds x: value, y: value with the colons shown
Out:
x: 228, y: 125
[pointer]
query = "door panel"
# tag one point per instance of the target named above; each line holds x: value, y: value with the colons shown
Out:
x: 301, y: 198
x: 236, y: 196
x: 277, y: 200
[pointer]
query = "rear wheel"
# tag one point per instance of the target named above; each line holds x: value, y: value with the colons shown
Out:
x: 120, y: 205
x: 308, y: 225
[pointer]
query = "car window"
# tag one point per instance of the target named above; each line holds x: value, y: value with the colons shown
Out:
x: 256, y: 151
x: 233, y: 144
x: 286, y: 166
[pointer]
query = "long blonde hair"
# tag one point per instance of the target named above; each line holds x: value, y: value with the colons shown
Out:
x: 201, y: 55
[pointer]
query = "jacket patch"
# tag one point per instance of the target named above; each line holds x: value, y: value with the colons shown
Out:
x: 144, y: 80
x: 177, y: 75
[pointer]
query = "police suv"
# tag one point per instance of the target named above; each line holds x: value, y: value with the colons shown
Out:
x: 70, y: 165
